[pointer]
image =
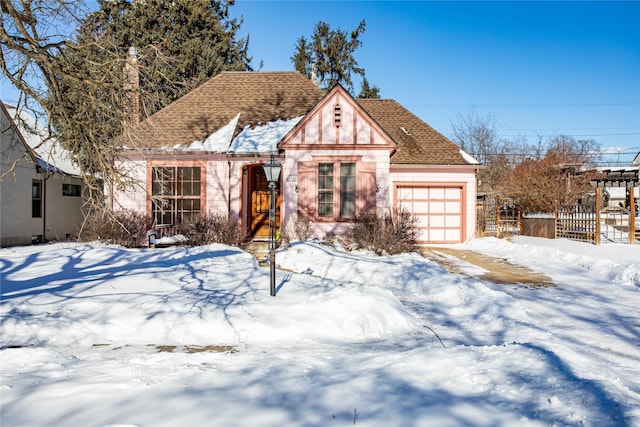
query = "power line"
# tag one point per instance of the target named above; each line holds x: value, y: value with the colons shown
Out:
x: 450, y: 134
x: 559, y: 105
x: 574, y: 134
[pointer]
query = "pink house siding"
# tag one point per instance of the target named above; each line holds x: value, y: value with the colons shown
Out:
x: 217, y: 179
x: 134, y: 197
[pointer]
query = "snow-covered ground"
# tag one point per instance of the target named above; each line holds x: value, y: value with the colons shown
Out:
x: 96, y: 335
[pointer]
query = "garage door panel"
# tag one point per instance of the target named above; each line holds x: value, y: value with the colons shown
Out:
x: 452, y: 207
x: 421, y: 193
x: 421, y: 207
x: 422, y: 221
x: 452, y: 235
x: 405, y: 206
x: 436, y: 193
x: 453, y: 221
x: 437, y: 221
x: 405, y: 193
x: 437, y: 209
x: 452, y: 193
x: 436, y: 235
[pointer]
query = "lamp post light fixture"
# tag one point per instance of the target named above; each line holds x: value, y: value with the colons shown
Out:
x: 272, y: 172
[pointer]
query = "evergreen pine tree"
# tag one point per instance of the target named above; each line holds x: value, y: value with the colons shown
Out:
x: 169, y: 48
x: 367, y: 91
x: 83, y: 82
x: 180, y: 44
x: 328, y: 58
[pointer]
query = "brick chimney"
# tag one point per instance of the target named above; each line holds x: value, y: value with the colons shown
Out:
x: 132, y: 85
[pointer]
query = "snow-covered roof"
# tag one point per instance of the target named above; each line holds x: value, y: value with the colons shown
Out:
x: 260, y: 139
x: 51, y: 156
x: 469, y: 158
x: 218, y: 141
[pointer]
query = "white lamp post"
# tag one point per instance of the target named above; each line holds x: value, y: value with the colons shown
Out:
x: 272, y: 172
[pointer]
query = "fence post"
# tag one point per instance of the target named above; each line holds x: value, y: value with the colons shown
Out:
x: 598, y: 219
x: 632, y: 216
x: 555, y: 221
x: 498, y: 217
x: 520, y: 222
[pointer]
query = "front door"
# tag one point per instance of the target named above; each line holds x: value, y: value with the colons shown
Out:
x: 259, y: 202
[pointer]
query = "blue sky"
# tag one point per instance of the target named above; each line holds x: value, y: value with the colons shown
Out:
x: 540, y: 68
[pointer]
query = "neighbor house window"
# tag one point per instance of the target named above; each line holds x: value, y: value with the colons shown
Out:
x: 36, y: 198
x: 71, y: 190
x: 175, y: 194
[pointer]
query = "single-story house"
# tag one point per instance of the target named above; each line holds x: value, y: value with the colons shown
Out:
x: 40, y: 188
x: 341, y: 157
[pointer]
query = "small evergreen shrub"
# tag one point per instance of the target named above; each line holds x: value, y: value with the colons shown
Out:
x: 124, y: 227
x: 214, y: 228
x: 392, y: 234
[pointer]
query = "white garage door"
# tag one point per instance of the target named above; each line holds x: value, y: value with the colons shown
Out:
x: 438, y: 211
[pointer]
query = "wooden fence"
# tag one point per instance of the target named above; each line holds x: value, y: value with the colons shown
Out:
x: 589, y: 223
x: 578, y: 222
x: 497, y: 216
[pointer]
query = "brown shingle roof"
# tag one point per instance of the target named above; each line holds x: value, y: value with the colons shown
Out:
x: 259, y: 97
x: 417, y: 142
x: 262, y: 97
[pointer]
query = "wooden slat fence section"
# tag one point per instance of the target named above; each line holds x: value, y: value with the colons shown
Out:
x: 508, y: 218
x: 497, y: 217
x: 617, y: 225
x: 577, y: 222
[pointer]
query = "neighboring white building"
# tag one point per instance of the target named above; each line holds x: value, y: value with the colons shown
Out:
x: 40, y: 188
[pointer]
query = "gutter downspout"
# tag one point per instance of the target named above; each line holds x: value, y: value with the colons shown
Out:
x: 45, y: 177
x: 44, y: 208
x: 228, y: 186
x: 228, y: 153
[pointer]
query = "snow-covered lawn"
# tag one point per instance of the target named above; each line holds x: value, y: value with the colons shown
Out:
x: 97, y: 335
